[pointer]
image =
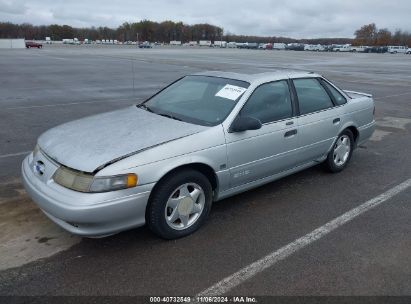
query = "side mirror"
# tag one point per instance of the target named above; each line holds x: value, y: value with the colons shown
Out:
x: 244, y: 123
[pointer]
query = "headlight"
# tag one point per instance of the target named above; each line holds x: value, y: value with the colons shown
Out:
x: 84, y: 182
x: 111, y: 183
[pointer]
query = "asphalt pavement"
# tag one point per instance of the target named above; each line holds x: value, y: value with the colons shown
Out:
x: 367, y: 256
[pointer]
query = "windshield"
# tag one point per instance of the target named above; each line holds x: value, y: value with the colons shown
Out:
x: 200, y: 100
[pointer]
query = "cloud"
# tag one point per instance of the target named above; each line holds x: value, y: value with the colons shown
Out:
x: 12, y: 7
x: 309, y: 18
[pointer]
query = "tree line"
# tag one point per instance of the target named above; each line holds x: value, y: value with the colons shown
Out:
x: 144, y: 30
x: 370, y: 35
x: 166, y: 31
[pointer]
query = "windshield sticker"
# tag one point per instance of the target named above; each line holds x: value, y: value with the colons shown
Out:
x: 230, y: 92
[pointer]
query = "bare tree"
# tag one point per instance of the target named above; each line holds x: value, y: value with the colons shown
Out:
x: 366, y: 35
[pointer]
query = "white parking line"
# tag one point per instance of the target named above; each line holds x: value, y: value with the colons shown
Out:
x: 262, y: 264
x: 15, y: 154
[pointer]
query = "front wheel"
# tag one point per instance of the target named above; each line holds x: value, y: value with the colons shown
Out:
x: 179, y: 204
x: 341, y: 152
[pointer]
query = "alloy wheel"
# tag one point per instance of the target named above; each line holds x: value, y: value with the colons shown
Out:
x: 342, y: 150
x: 184, y: 206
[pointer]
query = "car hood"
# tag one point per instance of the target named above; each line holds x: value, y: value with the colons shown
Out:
x: 90, y: 143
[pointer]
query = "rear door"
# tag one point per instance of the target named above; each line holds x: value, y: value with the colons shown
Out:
x: 318, y: 121
x: 256, y: 154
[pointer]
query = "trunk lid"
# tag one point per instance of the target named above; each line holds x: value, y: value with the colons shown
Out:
x: 354, y: 94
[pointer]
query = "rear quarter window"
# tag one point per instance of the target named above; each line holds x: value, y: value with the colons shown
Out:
x: 338, y: 97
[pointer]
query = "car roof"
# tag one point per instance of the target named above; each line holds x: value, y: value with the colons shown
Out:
x: 259, y: 77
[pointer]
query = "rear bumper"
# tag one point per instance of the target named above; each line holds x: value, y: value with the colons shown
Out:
x: 86, y: 214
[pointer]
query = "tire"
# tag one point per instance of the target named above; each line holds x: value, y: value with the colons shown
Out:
x: 181, y: 193
x: 338, y: 160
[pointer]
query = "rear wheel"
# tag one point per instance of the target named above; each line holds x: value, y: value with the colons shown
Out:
x: 341, y: 152
x: 179, y: 204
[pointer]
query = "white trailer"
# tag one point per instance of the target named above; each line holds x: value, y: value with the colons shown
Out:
x: 175, y: 42
x: 204, y: 43
x: 68, y: 41
x: 12, y: 44
x: 278, y: 46
x: 221, y: 44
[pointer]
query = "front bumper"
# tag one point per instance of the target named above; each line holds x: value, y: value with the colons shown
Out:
x: 86, y: 214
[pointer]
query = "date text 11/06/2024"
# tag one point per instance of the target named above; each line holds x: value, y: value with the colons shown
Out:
x: 204, y: 299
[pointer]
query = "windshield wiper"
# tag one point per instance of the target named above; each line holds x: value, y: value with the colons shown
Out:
x: 169, y: 116
x: 143, y: 106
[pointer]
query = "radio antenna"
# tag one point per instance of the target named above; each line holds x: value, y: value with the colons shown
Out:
x: 132, y: 71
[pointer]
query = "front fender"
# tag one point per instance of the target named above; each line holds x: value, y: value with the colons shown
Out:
x: 207, y: 147
x: 214, y: 157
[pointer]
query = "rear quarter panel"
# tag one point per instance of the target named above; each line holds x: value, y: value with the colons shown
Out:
x: 359, y: 112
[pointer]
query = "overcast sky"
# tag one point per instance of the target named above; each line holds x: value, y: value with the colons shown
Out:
x: 295, y: 18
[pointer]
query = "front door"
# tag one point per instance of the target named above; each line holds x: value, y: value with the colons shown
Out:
x: 256, y: 154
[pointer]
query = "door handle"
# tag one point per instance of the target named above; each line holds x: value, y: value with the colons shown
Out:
x: 289, y: 123
x: 290, y: 133
x: 336, y: 121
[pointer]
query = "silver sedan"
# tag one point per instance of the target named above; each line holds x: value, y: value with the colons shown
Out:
x: 203, y: 138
